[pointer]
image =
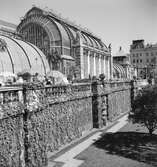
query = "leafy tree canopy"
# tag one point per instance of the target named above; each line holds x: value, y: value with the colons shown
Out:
x: 144, y: 108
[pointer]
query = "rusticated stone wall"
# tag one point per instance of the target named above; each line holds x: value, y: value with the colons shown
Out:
x: 11, y: 130
x: 110, y: 100
x: 56, y: 126
x: 12, y: 142
x: 38, y: 120
x: 63, y: 117
x: 118, y: 103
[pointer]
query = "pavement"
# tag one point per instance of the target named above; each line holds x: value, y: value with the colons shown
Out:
x: 67, y: 157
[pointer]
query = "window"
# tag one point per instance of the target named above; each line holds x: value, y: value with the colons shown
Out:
x: 140, y: 54
x: 153, y: 60
x: 140, y: 60
x: 152, y: 54
x: 147, y: 60
x: 133, y: 60
x: 137, y: 60
x: 134, y: 55
x: 137, y: 54
x: 147, y: 54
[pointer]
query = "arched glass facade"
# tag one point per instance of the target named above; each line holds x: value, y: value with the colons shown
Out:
x: 36, y: 35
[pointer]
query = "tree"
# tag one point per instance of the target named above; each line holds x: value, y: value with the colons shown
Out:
x: 144, y: 109
x: 102, y: 77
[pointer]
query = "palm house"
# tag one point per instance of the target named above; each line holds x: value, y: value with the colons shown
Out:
x: 69, y: 48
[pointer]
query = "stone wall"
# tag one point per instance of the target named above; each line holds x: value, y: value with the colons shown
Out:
x: 118, y: 103
x: 11, y: 129
x: 110, y: 100
x: 42, y: 119
x: 55, y: 126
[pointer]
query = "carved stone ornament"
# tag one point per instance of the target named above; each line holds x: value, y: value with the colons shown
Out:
x: 3, y: 45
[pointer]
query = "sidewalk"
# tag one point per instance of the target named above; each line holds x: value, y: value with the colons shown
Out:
x: 66, y: 157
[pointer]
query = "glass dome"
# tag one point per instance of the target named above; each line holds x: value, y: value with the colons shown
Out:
x: 17, y: 55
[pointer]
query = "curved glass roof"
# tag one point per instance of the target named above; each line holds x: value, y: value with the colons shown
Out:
x: 97, y: 43
x: 64, y: 34
x: 61, y: 29
x: 5, y: 62
x: 88, y: 40
x: 72, y: 32
x: 19, y: 55
x: 119, y: 71
x: 53, y: 29
x: 84, y: 40
x: 94, y: 43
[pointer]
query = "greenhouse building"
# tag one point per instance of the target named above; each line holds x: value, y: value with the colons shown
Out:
x: 69, y: 48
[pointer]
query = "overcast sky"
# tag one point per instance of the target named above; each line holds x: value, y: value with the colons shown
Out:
x: 115, y: 21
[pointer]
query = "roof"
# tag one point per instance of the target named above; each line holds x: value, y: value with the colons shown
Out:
x: 17, y: 55
x: 63, y: 28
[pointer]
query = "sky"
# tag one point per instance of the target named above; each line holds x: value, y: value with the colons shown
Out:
x: 115, y: 21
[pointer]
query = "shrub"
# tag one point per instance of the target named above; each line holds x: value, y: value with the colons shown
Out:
x: 102, y: 77
x: 25, y: 75
x: 144, y: 108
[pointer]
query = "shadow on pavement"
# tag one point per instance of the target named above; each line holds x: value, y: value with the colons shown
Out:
x: 133, y: 145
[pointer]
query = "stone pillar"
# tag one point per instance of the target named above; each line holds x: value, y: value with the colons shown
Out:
x: 107, y: 68
x: 128, y: 72
x: 88, y: 62
x: 94, y: 67
x: 91, y: 64
x: 104, y: 67
x: 82, y: 62
x: 100, y: 64
x: 85, y: 64
x: 96, y: 106
x: 79, y: 56
x: 111, y: 66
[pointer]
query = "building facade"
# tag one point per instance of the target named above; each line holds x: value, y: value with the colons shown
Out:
x: 144, y: 57
x: 68, y: 48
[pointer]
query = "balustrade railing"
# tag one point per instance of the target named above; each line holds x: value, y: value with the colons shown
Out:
x: 81, y: 87
x: 15, y: 94
x: 10, y: 95
x: 116, y: 84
